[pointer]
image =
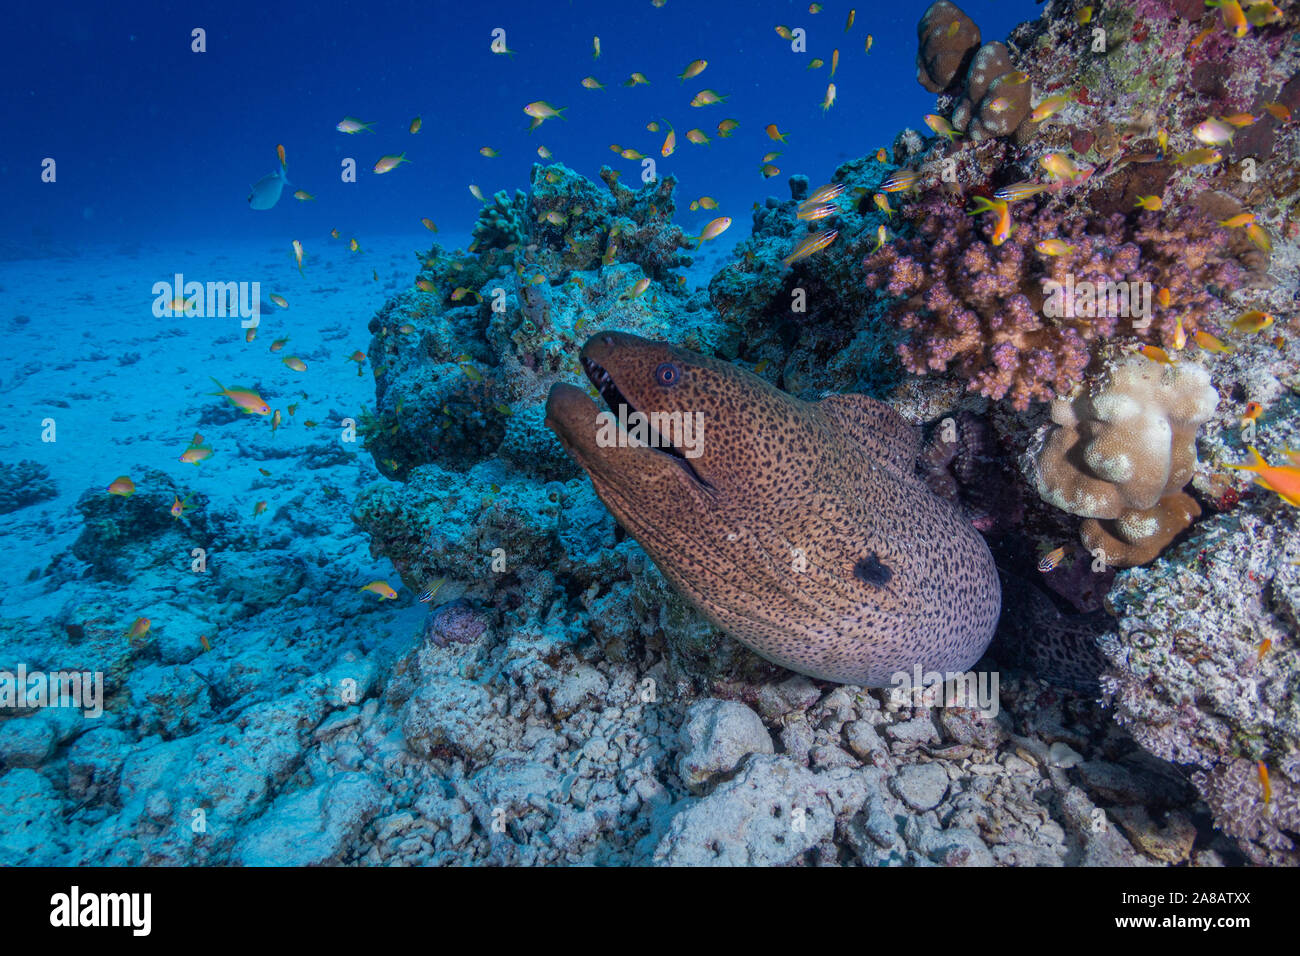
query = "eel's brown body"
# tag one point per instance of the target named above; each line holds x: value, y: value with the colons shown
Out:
x: 799, y: 529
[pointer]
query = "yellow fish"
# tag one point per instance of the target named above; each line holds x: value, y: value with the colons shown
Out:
x: 726, y: 126
x: 1000, y: 207
x: 870, y: 41
x: 829, y: 99
x: 1236, y: 222
x: 1234, y: 18
x: 941, y: 126
x: 1054, y: 247
x: 670, y: 143
x: 334, y: 233
x: 381, y: 588
x: 835, y: 61
x: 295, y: 363
x: 543, y: 152
x: 636, y: 79
x: 813, y: 244
x: 848, y: 24
x: 138, y: 629
x: 768, y: 171
x: 591, y: 83
x: 1050, y: 106
x: 279, y: 300
x: 179, y: 508
x: 1198, y: 157
x: 196, y: 452
x: 279, y: 151
x: 297, y: 253
x: 302, y: 195
x: 1211, y: 344
x: 714, y: 229
x: 1156, y: 354
x: 774, y: 133
x: 694, y: 68
x: 389, y: 163
x: 784, y: 32
x: 275, y: 421
x: 415, y: 125
x: 595, y: 48
x: 1214, y: 132
x: 1256, y: 234
x: 428, y: 224
x: 1059, y: 166
x: 1150, y: 203
x: 882, y: 236
x: 1278, y: 111
x: 639, y: 288
x: 122, y: 486
x: 1252, y: 321
x: 244, y: 398
x: 487, y: 151
x: 350, y: 125
x: 707, y: 98
x: 1284, y: 480
x: 354, y: 245
x: 882, y: 203
x: 697, y: 137
x: 816, y: 63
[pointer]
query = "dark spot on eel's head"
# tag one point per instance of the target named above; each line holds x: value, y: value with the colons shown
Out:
x: 870, y: 571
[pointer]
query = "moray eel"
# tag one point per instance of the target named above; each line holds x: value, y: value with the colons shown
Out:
x: 798, y: 528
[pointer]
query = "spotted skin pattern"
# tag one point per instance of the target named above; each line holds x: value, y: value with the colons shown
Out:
x: 800, y: 529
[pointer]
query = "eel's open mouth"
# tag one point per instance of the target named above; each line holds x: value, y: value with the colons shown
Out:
x: 613, y: 398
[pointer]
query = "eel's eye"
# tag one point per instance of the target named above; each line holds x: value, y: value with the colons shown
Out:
x: 667, y: 374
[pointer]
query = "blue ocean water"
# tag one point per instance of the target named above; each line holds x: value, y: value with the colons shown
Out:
x: 156, y: 142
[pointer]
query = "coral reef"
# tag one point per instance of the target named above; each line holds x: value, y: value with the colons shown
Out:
x: 1203, y: 665
x: 983, y: 312
x: 1121, y: 451
x: 23, y: 484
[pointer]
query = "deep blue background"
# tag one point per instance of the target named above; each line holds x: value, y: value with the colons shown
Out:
x: 156, y: 142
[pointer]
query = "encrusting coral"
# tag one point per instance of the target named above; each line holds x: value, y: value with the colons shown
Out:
x: 1120, y: 453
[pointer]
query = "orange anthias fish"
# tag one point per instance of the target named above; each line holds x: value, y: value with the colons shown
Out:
x: 1002, y: 228
x: 714, y: 229
x: 1211, y: 344
x: 244, y: 398
x: 181, y: 508
x: 388, y: 163
x: 122, y: 486
x: 1284, y: 480
x: 380, y: 588
x: 138, y: 629
x: 196, y: 452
